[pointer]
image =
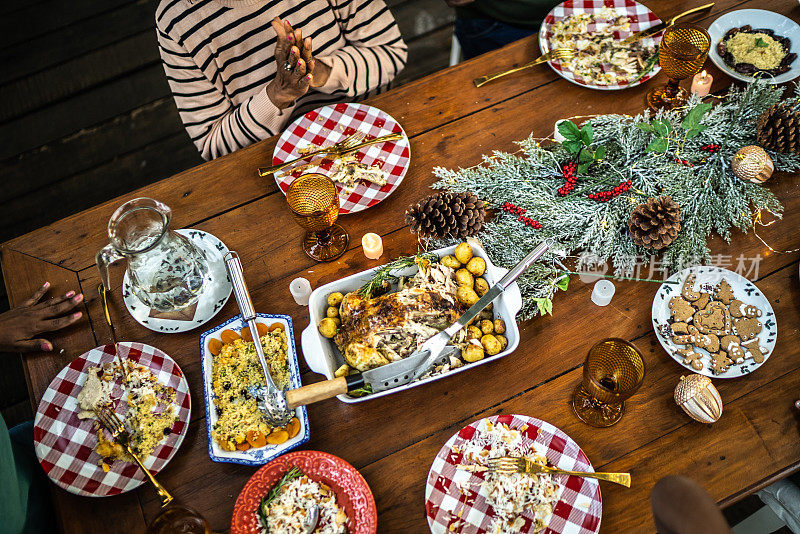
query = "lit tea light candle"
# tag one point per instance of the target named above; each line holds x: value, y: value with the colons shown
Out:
x: 373, y: 246
x: 557, y: 137
x: 300, y: 288
x: 701, y: 83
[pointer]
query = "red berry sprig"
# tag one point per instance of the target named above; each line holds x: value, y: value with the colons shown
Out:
x: 605, y: 196
x: 711, y: 148
x: 568, y: 172
x: 520, y: 213
x: 684, y: 162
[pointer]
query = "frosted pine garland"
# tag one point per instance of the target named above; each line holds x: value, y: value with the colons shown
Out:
x: 711, y: 197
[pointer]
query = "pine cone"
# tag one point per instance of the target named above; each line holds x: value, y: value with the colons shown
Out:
x: 779, y: 129
x: 656, y: 223
x: 446, y: 214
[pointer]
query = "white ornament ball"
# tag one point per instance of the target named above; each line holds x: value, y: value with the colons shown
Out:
x: 752, y: 164
x: 698, y: 397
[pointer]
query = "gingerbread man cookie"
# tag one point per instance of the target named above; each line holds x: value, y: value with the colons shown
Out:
x: 679, y: 328
x: 691, y: 357
x: 747, y: 328
x: 720, y: 362
x: 714, y: 319
x: 688, y: 291
x: 732, y: 345
x: 710, y: 342
x: 724, y: 292
x: 680, y: 309
x: 758, y: 353
x: 740, y: 309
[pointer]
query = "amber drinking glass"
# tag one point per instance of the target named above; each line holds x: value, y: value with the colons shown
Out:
x: 314, y: 203
x: 681, y: 54
x: 612, y: 372
x: 179, y: 519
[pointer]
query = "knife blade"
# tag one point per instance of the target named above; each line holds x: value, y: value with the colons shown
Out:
x: 661, y: 26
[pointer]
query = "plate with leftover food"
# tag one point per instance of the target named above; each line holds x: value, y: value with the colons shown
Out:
x: 461, y: 496
x: 150, y: 395
x: 384, y: 314
x: 364, y: 177
x: 237, y: 431
x: 714, y: 322
x: 751, y: 44
x: 594, y: 29
x: 280, y: 495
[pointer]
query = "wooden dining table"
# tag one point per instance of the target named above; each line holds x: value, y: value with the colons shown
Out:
x: 393, y: 440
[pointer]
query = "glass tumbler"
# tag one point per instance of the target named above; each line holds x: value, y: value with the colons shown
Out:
x: 314, y: 203
x: 612, y: 372
x: 681, y: 54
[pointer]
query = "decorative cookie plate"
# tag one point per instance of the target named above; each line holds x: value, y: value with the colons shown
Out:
x: 714, y: 322
x: 216, y: 291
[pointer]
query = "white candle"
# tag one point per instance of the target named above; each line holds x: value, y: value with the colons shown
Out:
x: 602, y: 292
x: 557, y: 135
x: 701, y: 83
x: 300, y: 288
x: 373, y: 246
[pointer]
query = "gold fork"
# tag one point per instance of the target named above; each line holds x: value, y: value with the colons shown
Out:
x: 561, y: 54
x: 334, y: 149
x: 507, y: 465
x: 112, y: 423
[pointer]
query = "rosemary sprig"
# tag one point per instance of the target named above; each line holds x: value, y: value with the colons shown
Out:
x: 263, y: 508
x: 651, y: 63
x: 361, y: 392
x: 385, y: 273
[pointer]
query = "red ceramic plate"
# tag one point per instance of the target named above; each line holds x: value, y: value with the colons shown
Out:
x: 352, y: 491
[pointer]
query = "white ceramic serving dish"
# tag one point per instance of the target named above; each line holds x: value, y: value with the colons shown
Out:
x: 323, y: 356
x: 757, y: 18
x: 264, y: 454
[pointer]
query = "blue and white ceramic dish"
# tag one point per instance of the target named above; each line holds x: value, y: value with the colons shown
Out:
x: 707, y: 278
x: 264, y: 454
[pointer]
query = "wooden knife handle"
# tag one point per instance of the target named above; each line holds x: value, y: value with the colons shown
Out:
x: 322, y: 390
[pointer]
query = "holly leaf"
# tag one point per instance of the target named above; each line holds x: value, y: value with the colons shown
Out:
x: 569, y: 130
x: 583, y: 167
x: 572, y: 146
x: 692, y: 119
x: 600, y: 153
x: 563, y: 283
x: 657, y: 145
x: 545, y: 306
x: 587, y: 134
x: 662, y: 127
x: 645, y: 127
x: 586, y: 156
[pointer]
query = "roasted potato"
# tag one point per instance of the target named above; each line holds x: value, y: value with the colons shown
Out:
x: 464, y: 278
x: 466, y: 295
x: 336, y: 320
x: 499, y: 326
x: 344, y: 370
x: 451, y: 261
x: 481, y: 286
x: 463, y: 253
x: 334, y: 299
x: 472, y: 353
x: 503, y: 341
x: 333, y: 311
x: 490, y: 344
x: 473, y: 332
x: 477, y: 266
x: 487, y: 327
x: 328, y: 327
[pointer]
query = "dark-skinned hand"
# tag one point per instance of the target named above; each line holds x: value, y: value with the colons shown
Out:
x: 21, y: 326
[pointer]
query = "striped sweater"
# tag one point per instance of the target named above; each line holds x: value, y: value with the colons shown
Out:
x: 219, y: 56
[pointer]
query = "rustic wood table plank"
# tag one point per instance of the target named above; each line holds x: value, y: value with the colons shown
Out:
x: 450, y: 124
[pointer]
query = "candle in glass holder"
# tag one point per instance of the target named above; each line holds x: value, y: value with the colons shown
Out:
x: 373, y: 246
x: 701, y: 83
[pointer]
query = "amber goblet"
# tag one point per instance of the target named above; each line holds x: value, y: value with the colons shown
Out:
x: 681, y: 54
x: 314, y: 203
x: 612, y: 372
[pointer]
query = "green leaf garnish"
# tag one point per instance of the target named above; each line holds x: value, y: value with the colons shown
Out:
x: 761, y: 43
x: 361, y: 392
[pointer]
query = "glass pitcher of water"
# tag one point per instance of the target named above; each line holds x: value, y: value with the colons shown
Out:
x: 166, y: 270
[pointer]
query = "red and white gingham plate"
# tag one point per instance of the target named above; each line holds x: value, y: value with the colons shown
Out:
x: 578, y: 510
x: 641, y: 19
x: 65, y: 444
x: 331, y: 124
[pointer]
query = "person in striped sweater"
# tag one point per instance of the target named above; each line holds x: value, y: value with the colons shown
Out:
x: 239, y: 70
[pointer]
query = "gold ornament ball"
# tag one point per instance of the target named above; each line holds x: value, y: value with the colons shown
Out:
x: 752, y: 164
x: 698, y: 397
